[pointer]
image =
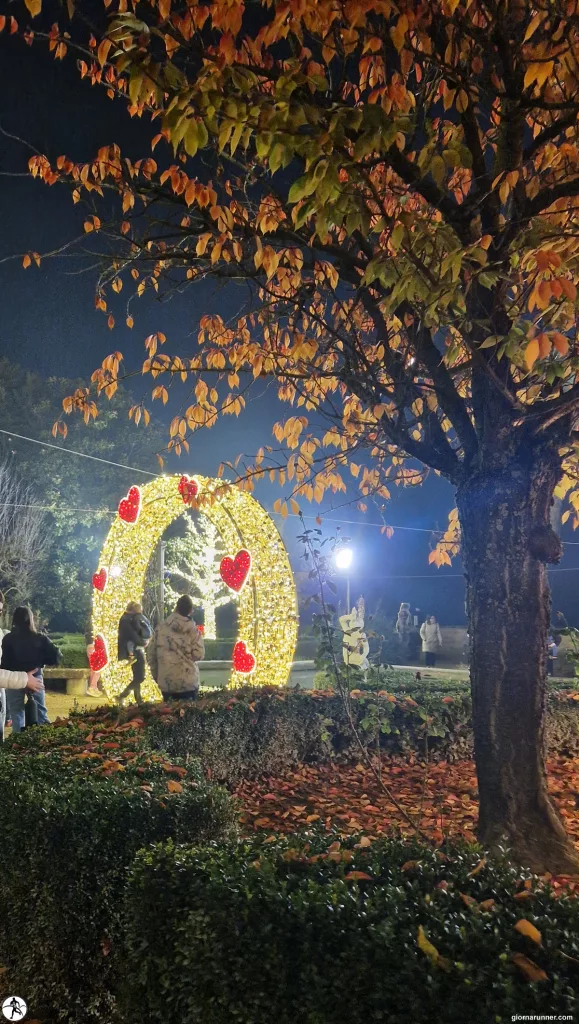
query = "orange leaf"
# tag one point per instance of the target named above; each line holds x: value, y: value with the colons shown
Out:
x: 174, y: 787
x: 525, y: 927
x: 560, y: 342
x: 531, y: 970
x: 26, y: 261
x: 531, y: 353
x: 358, y: 875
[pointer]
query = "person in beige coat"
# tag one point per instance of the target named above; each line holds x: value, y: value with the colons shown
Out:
x: 173, y: 653
x: 431, y: 640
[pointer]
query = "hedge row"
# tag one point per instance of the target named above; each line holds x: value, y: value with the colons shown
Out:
x: 331, y: 932
x: 266, y: 732
x: 78, y: 802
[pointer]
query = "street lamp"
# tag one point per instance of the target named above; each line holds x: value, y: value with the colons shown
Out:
x: 343, y: 560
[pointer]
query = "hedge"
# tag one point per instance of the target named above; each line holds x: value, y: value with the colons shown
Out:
x: 78, y: 802
x: 261, y: 732
x: 331, y: 932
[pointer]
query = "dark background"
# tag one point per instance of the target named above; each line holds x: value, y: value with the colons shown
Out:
x: 48, y: 324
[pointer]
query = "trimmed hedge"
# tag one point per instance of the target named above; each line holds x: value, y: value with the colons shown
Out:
x: 264, y: 732
x: 77, y: 804
x: 325, y: 933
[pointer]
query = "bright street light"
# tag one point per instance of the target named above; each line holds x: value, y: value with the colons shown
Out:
x: 343, y: 558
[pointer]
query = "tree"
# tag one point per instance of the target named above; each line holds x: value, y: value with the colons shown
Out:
x: 398, y: 185
x: 84, y: 493
x: 23, y: 539
x: 192, y: 566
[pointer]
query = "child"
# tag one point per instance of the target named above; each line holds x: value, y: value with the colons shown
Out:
x: 134, y: 634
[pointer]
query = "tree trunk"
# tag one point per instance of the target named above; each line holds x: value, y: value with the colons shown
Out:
x: 506, y: 541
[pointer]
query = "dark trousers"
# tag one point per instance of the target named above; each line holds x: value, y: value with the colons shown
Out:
x: 184, y: 695
x: 429, y: 659
x: 138, y: 669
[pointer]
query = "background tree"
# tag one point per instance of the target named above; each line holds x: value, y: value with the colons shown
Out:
x: 192, y: 566
x: 84, y: 493
x: 398, y: 184
x: 23, y: 539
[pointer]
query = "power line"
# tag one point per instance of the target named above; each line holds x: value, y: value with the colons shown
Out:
x: 146, y: 472
x: 72, y: 451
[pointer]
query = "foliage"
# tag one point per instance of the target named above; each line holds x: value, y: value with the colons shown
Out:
x: 73, y: 648
x: 428, y: 193
x: 23, y: 542
x: 260, y: 732
x: 78, y: 802
x: 74, y: 533
x: 321, y: 930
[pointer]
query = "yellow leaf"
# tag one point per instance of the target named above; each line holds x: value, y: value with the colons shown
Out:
x: 33, y: 7
x: 26, y: 261
x: 531, y: 353
x: 174, y: 787
x: 294, y: 506
x: 525, y: 927
x: 426, y: 946
x: 531, y: 970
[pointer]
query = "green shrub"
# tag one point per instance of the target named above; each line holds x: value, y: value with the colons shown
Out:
x: 290, y: 933
x: 260, y: 732
x: 73, y: 649
x: 77, y: 804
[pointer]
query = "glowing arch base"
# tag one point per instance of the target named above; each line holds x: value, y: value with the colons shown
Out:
x: 267, y: 604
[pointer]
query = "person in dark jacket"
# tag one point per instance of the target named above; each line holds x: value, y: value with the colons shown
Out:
x: 24, y: 650
x: 134, y: 634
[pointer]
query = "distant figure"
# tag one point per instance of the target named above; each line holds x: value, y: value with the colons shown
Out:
x: 552, y: 652
x: 134, y: 634
x: 93, y: 683
x: 404, y: 622
x: 431, y: 640
x: 561, y: 621
x: 176, y: 648
x: 355, y: 644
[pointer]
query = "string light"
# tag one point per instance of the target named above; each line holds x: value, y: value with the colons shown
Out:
x: 267, y: 617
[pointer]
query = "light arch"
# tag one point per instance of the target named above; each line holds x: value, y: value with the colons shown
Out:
x: 267, y: 603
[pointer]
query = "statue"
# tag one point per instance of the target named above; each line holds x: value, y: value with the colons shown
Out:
x: 355, y: 642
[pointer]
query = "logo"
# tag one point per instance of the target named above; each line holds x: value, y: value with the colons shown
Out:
x: 14, y: 1008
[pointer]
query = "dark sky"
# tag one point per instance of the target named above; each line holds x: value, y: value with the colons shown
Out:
x: 48, y: 323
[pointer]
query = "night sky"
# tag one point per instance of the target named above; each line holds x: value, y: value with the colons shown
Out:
x: 48, y: 324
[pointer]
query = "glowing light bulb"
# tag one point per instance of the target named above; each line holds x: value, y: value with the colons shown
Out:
x: 343, y: 558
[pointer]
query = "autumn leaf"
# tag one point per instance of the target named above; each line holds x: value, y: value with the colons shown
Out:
x: 531, y: 970
x: 525, y: 927
x: 477, y: 870
x: 531, y: 353
x: 354, y: 876
x: 33, y: 7
x: 174, y: 787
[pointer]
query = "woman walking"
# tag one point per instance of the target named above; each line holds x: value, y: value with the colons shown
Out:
x: 431, y: 640
x: 134, y: 635
x: 176, y: 648
x: 25, y: 650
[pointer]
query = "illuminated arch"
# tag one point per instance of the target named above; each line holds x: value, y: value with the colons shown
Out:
x: 267, y: 605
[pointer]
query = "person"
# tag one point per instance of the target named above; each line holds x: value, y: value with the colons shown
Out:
x: 16, y: 681
x: 26, y: 650
x: 134, y: 634
x: 174, y: 652
x: 93, y: 682
x: 431, y: 640
x: 552, y: 652
x: 404, y: 622
x: 355, y: 646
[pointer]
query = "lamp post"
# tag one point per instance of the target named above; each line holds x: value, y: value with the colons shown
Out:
x: 343, y: 560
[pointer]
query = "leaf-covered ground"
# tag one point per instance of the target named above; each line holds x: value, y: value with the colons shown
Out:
x: 441, y: 796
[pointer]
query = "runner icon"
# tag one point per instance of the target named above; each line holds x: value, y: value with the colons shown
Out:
x: 14, y: 1008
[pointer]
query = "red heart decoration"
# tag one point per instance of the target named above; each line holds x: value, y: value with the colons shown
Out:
x: 130, y: 506
x: 100, y: 579
x: 243, y: 660
x: 188, y: 489
x: 234, y: 571
x: 200, y: 627
x: 100, y: 656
